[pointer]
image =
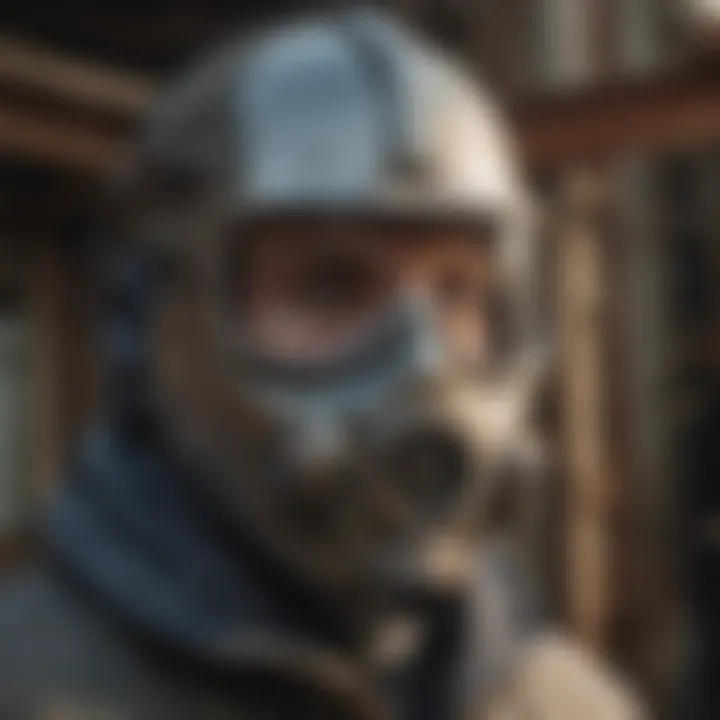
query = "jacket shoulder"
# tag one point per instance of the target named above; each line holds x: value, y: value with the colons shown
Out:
x: 56, y: 651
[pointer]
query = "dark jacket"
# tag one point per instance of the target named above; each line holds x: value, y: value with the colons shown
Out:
x: 149, y: 606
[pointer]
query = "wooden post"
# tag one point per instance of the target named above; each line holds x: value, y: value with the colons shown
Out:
x: 581, y: 306
x: 46, y: 421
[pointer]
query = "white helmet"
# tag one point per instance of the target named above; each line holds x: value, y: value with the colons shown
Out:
x: 345, y: 114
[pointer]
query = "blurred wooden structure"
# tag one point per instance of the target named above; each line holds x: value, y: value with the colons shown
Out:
x: 596, y: 89
x: 75, y: 115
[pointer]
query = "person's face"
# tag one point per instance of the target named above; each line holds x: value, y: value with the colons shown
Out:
x: 310, y: 292
x: 340, y: 477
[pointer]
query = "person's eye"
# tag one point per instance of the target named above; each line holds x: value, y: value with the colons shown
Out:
x: 333, y: 286
x: 456, y: 288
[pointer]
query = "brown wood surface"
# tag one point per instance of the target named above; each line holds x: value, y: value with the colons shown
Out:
x: 39, y: 138
x: 35, y: 70
x: 666, y: 114
x: 582, y: 289
x: 47, y: 413
x: 37, y: 89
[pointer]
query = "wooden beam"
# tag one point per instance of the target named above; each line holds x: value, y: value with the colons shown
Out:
x: 652, y: 116
x: 74, y: 82
x: 59, y: 142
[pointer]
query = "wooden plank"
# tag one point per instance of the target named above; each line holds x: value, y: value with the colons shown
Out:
x: 74, y: 82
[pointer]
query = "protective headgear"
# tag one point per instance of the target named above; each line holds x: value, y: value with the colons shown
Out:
x: 345, y: 116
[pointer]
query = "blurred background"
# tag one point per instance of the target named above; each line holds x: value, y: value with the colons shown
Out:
x: 616, y: 108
